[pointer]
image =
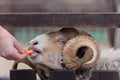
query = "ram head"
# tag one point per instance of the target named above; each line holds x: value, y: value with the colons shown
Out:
x: 66, y: 48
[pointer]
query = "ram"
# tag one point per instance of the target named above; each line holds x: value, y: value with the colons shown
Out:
x: 70, y: 49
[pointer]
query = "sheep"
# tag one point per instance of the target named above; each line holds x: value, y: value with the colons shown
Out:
x: 70, y: 49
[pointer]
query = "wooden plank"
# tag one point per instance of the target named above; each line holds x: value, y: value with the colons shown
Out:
x: 56, y: 6
x: 61, y: 19
x: 117, y: 39
x: 105, y: 75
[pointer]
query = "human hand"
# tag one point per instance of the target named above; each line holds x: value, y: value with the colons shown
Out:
x: 9, y: 46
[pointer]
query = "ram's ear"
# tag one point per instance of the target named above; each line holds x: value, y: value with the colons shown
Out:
x: 69, y: 32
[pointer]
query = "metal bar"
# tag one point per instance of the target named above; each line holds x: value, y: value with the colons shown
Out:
x: 61, y: 19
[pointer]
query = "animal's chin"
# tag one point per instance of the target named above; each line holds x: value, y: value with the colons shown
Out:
x: 35, y: 58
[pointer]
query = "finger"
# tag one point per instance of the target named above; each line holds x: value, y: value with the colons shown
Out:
x: 21, y: 56
x: 17, y: 56
x: 18, y: 46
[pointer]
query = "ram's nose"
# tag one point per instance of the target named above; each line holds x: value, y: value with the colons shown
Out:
x: 33, y: 43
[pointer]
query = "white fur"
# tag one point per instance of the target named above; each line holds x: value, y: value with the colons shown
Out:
x: 109, y: 60
x: 46, y: 58
x: 42, y: 40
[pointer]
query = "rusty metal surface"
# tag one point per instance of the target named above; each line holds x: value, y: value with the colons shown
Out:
x: 61, y: 19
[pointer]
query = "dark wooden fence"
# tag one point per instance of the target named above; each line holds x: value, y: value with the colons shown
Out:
x: 106, y: 20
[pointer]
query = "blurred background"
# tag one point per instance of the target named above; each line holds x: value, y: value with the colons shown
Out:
x: 58, y: 5
x: 106, y: 37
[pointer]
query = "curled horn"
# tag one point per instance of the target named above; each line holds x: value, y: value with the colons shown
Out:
x: 80, y: 52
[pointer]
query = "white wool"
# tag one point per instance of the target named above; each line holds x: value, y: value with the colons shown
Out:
x: 109, y: 60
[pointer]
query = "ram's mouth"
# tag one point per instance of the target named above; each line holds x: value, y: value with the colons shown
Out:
x: 35, y: 53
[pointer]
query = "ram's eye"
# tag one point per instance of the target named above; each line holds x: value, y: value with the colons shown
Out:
x: 61, y: 41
